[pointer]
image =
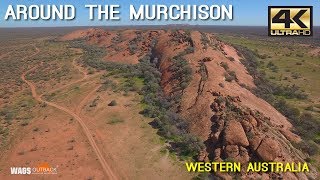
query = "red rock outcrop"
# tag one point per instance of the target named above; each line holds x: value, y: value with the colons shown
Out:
x: 234, y: 123
x: 268, y: 150
x: 234, y: 134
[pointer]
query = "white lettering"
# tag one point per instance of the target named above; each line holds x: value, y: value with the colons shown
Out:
x: 44, y: 12
x: 10, y: 12
x: 182, y: 12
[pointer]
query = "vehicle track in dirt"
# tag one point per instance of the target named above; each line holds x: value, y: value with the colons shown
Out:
x: 90, y: 122
x: 80, y: 69
x: 107, y: 169
x: 84, y: 72
x: 85, y: 100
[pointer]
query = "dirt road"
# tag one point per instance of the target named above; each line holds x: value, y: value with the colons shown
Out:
x: 109, y: 173
x: 85, y: 76
x: 80, y: 69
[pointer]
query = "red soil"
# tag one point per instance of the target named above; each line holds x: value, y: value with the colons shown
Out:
x: 106, y: 167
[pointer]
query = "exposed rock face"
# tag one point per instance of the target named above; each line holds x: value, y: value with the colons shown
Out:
x: 242, y: 135
x: 236, y: 153
x: 268, y: 150
x: 243, y: 155
x: 235, y: 135
x: 232, y: 121
x: 247, y: 126
x: 203, y: 156
x: 231, y: 151
x: 217, y: 154
x: 290, y: 136
x: 255, y: 142
x: 252, y: 121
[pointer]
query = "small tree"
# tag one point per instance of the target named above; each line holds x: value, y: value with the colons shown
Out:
x: 224, y: 65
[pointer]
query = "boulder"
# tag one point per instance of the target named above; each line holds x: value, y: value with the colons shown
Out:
x: 290, y: 136
x: 255, y: 142
x: 243, y: 155
x: 252, y: 121
x: 220, y: 124
x: 217, y: 153
x: 214, y: 137
x: 234, y: 134
x: 268, y: 150
x: 246, y: 126
x: 202, y: 156
x: 223, y: 176
x: 265, y: 176
x: 215, y: 107
x: 291, y: 176
x: 231, y: 151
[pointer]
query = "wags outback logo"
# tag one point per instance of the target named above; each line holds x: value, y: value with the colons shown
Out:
x: 42, y: 168
x: 290, y: 21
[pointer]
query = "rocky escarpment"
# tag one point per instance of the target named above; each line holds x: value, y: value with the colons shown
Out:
x: 243, y: 135
x: 208, y: 85
x: 123, y: 46
x: 234, y: 123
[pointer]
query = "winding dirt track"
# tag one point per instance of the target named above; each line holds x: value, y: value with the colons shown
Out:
x: 109, y: 173
x: 85, y: 77
x: 85, y: 100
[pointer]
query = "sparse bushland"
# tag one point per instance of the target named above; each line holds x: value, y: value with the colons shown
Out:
x: 229, y: 75
x: 117, y: 39
x: 54, y: 62
x: 265, y: 86
x: 133, y: 48
x: 305, y: 124
x: 179, y: 36
x: 295, y: 75
x: 17, y: 111
x: 204, y: 40
x: 170, y: 125
x: 181, y: 72
x: 272, y: 67
x: 133, y: 44
x: 11, y: 67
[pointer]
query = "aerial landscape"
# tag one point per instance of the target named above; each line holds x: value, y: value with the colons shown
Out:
x: 137, y: 103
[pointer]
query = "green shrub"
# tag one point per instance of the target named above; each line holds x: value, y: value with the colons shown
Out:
x: 115, y: 120
x: 231, y: 58
x: 224, y: 65
x: 228, y: 77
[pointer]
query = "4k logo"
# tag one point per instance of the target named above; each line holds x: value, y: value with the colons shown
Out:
x: 290, y: 21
